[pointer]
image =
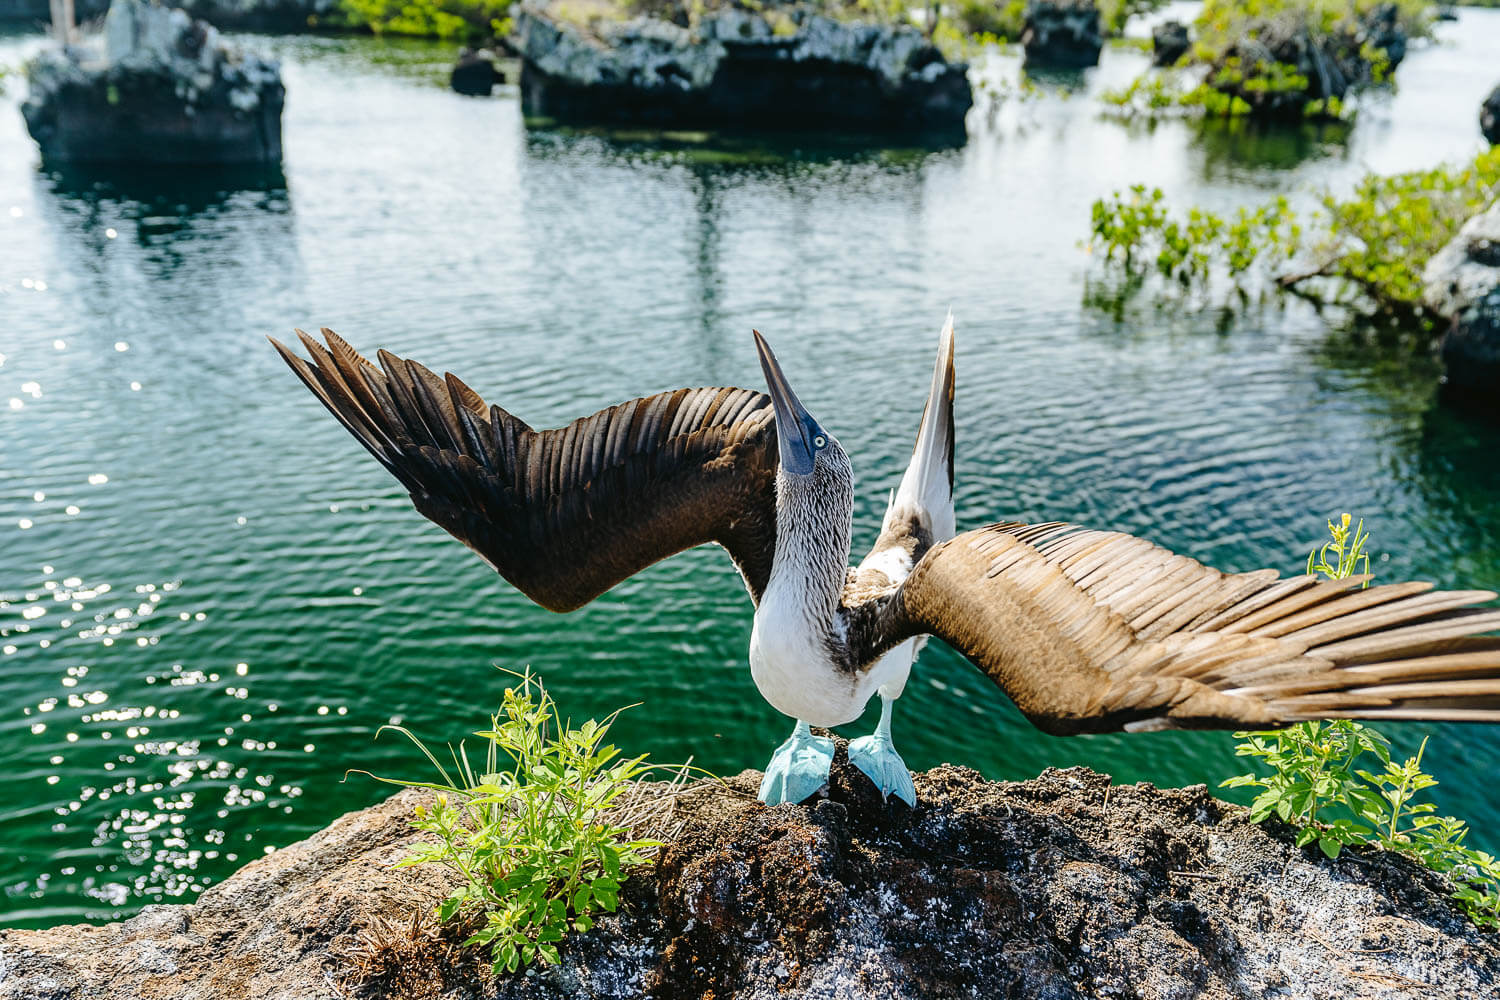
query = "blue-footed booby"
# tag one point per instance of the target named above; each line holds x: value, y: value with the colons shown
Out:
x: 1086, y: 631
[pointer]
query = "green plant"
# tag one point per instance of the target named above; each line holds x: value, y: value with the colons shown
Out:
x: 1317, y: 786
x: 470, y: 20
x: 541, y: 836
x: 1364, y: 253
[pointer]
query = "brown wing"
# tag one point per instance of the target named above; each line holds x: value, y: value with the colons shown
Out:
x: 1094, y: 631
x: 564, y: 514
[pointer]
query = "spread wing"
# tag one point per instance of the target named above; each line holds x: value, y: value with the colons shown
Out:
x: 563, y: 514
x: 1095, y: 631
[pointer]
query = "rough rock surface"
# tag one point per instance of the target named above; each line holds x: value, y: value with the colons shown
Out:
x: 1062, y: 33
x: 164, y: 89
x: 1467, y: 269
x: 1169, y: 43
x: 1057, y: 888
x: 737, y: 67
x: 1489, y: 117
x: 1462, y: 281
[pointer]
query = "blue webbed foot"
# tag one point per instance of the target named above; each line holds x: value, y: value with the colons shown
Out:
x: 799, y: 768
x: 876, y: 756
x: 878, y: 759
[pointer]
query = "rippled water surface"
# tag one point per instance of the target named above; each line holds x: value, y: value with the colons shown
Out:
x: 210, y: 597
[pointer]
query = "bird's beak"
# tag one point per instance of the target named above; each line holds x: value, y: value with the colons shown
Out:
x: 795, y: 427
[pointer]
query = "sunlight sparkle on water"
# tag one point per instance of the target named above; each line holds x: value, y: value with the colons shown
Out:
x: 161, y: 813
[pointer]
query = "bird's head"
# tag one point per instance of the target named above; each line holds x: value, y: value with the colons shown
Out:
x: 805, y: 448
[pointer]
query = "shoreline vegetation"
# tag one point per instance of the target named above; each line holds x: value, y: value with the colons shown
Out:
x: 1363, y: 254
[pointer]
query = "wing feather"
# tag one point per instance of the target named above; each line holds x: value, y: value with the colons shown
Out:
x: 1092, y: 631
x: 563, y: 514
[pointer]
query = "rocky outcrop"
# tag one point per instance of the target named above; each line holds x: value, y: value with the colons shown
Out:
x: 1062, y: 887
x: 1281, y: 64
x: 778, y: 67
x: 270, y: 16
x: 1062, y: 33
x: 1169, y: 43
x: 1467, y: 268
x: 1462, y: 281
x: 1489, y: 117
x: 163, y: 89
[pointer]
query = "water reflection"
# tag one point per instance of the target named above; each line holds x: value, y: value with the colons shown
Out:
x: 1235, y: 147
x: 185, y: 190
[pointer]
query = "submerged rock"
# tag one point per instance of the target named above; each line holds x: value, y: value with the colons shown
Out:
x: 164, y: 88
x: 1062, y: 887
x: 476, y: 73
x: 1063, y: 33
x: 780, y: 67
x: 1169, y: 43
x: 1471, y: 354
x: 1489, y: 117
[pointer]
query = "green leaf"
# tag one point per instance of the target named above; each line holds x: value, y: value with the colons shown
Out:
x: 1330, y: 845
x: 451, y: 905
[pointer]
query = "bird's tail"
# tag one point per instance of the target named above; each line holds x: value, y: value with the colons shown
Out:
x: 927, y: 485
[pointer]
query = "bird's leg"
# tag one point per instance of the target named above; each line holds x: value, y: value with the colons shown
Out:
x: 876, y: 756
x: 798, y: 769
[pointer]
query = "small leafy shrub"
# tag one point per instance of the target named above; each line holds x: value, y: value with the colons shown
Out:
x: 1336, y: 783
x: 1317, y: 786
x: 1137, y: 231
x: 1364, y: 253
x: 541, y: 835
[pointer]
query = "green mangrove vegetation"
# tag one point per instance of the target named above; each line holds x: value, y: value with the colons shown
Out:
x: 1279, y: 58
x: 1364, y: 252
x: 542, y: 834
x: 456, y: 19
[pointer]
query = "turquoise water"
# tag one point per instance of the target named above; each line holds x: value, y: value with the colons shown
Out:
x: 210, y: 597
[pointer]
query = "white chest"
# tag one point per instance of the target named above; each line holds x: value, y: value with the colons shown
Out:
x: 794, y: 671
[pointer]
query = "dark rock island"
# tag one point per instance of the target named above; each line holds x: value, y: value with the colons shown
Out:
x: 1062, y: 887
x: 162, y: 88
x: 779, y: 67
x: 1062, y: 34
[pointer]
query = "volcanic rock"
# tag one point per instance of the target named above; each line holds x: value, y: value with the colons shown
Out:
x: 163, y: 88
x: 1169, y: 43
x: 1063, y: 887
x: 782, y: 67
x: 1063, y: 33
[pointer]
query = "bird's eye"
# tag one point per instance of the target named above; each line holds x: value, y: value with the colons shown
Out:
x: 819, y: 441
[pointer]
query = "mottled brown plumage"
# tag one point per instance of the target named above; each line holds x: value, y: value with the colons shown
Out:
x: 564, y: 514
